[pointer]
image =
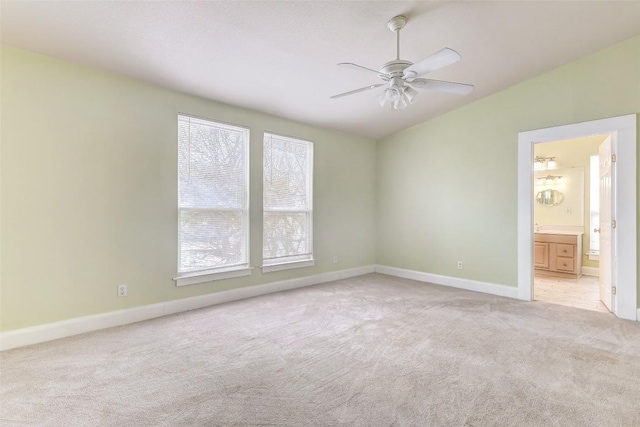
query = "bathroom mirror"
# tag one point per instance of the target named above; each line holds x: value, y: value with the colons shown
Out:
x: 549, y: 197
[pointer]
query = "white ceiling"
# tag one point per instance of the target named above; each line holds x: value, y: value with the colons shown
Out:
x: 280, y: 57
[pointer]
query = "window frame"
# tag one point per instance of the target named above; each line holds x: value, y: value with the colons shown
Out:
x: 290, y: 261
x: 184, y: 278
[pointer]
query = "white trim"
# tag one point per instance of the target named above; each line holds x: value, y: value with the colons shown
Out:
x: 591, y: 271
x: 624, y: 128
x: 455, y: 282
x: 67, y: 328
x: 288, y: 265
x: 638, y: 315
x: 209, y: 276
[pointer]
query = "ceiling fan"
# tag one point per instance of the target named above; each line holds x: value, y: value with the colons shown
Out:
x: 402, y: 77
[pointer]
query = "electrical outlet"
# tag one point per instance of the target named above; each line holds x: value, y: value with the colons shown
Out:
x: 459, y: 265
x: 335, y: 259
x: 122, y: 290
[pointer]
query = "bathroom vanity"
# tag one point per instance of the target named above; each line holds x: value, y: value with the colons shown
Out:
x: 558, y: 253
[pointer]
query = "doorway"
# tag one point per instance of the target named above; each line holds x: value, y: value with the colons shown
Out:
x: 623, y: 258
x: 566, y: 218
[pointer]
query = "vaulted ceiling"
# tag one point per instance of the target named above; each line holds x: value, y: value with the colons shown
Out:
x: 280, y: 57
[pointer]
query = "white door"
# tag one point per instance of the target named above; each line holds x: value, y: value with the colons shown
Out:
x: 606, y: 230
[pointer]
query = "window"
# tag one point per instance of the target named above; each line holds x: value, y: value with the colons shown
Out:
x: 594, y: 206
x: 213, y: 200
x: 287, y: 203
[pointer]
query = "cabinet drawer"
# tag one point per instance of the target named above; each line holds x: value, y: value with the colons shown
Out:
x: 565, y: 250
x: 564, y: 264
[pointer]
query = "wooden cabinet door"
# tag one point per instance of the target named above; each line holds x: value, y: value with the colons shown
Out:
x: 541, y: 255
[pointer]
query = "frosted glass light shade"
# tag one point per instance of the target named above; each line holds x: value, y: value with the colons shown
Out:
x: 410, y: 93
x: 400, y: 103
x: 393, y: 94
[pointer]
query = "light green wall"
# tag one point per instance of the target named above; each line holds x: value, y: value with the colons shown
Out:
x: 447, y: 188
x: 88, y: 185
x: 576, y: 153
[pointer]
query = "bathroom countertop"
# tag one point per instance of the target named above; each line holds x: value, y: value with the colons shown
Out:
x: 562, y: 232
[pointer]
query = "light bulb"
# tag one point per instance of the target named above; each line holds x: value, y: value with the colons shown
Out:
x: 537, y: 165
x: 551, y: 164
x: 560, y: 180
x: 549, y: 181
x: 381, y: 98
x: 540, y: 181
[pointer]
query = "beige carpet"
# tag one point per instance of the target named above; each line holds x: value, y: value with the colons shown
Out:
x: 368, y: 351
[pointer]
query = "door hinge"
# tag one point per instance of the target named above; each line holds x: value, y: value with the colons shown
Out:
x: 613, y: 158
x: 614, y: 290
x: 614, y: 223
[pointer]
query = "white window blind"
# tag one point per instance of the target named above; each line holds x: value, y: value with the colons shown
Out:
x: 287, y: 200
x: 213, y: 195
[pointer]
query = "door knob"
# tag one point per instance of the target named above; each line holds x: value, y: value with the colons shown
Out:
x: 596, y: 230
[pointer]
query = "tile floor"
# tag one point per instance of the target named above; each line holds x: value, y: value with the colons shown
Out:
x: 580, y: 293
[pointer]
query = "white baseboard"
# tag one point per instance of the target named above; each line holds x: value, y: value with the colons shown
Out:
x: 591, y: 271
x: 455, y: 282
x: 67, y: 328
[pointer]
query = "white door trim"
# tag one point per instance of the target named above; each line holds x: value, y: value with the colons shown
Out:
x: 624, y: 130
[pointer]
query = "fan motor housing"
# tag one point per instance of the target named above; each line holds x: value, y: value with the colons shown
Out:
x: 395, y: 68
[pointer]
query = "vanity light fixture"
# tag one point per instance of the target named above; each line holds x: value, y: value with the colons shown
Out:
x: 550, y: 180
x: 542, y: 163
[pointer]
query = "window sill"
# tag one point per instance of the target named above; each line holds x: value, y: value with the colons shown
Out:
x: 209, y: 275
x: 288, y: 265
x: 594, y: 256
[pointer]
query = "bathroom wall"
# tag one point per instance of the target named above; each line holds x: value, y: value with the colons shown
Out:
x: 570, y: 210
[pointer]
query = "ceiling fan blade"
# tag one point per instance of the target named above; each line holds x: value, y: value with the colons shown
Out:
x: 431, y: 63
x: 442, y: 86
x: 362, y: 89
x: 360, y: 68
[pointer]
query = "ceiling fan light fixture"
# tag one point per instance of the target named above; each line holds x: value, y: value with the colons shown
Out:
x: 402, y: 77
